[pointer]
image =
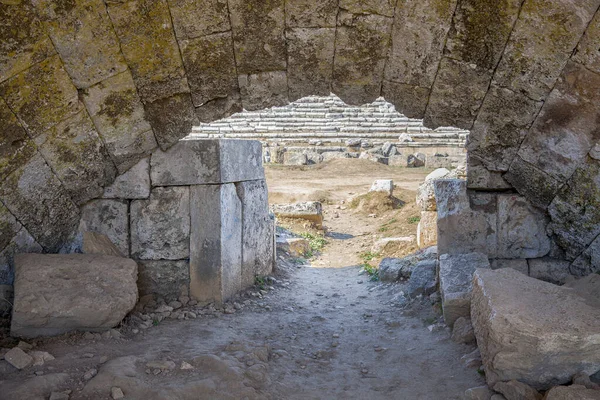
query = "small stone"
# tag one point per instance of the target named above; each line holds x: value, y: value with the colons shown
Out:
x: 116, y: 393
x: 18, y: 358
x: 103, y: 359
x: 90, y: 374
x: 24, y: 346
x: 88, y: 336
x: 40, y: 357
x: 106, y: 335
x: 87, y: 355
x: 584, y: 380
x: 175, y: 305
x: 115, y: 334
x: 184, y: 300
x: 462, y: 332
x: 163, y: 308
x: 478, y: 393
x: 517, y: 390
x: 161, y: 365
x: 185, y: 365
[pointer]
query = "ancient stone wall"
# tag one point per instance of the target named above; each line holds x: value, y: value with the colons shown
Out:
x: 88, y: 88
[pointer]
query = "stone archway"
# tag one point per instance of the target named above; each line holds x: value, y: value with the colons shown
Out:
x: 88, y: 88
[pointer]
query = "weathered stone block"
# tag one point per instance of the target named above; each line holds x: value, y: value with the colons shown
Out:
x: 219, y: 108
x: 521, y: 229
x: 540, y: 44
x: 78, y: 157
x: 423, y: 279
x: 295, y: 158
x: 16, y: 149
x: 167, y: 279
x: 426, y: 191
x: 310, y: 211
x: 24, y: 41
x: 589, y: 261
x: 148, y: 43
x: 207, y: 161
x: 109, y: 217
x: 98, y: 243
x: 383, y: 185
x: 310, y: 61
x: 533, y: 183
x: 196, y: 18
x: 295, y: 247
x: 532, y: 331
x: 216, y: 243
x: 587, y: 50
x: 36, y: 197
x: 118, y: 114
x: 427, y: 229
x: 573, y: 392
x: 258, y: 230
x: 264, y: 90
x: 210, y: 66
x: 22, y: 242
x: 550, y: 270
x: 18, y: 358
x: 83, y: 36
x: 502, y: 124
x: 409, y: 100
x: 9, y: 226
x: 567, y: 127
x: 456, y: 283
x: 380, y: 7
x: 6, y: 299
x: 308, y: 14
x: 42, y: 96
x: 160, y: 226
x: 481, y: 178
x: 418, y: 37
x: 361, y: 47
x: 55, y: 294
x: 171, y: 118
x: 516, y: 264
x: 133, y: 184
x: 258, y: 27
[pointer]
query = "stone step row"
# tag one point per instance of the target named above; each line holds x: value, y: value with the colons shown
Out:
x: 322, y: 119
x: 322, y: 135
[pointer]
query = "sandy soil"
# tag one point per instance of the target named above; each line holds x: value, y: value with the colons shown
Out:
x: 320, y: 331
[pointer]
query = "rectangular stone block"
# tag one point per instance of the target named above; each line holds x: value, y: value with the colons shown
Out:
x: 550, y: 270
x: 456, y: 283
x: 207, y: 161
x: 263, y: 90
x: 587, y: 50
x: 308, y: 14
x: 215, y: 243
x: 16, y: 148
x: 539, y: 187
x: 133, y: 184
x: 22, y: 242
x: 589, y: 261
x: 196, y: 18
x: 171, y: 118
x: 160, y: 226
x: 427, y: 229
x: 409, y: 100
x: 258, y: 231
x: 109, y: 217
x: 361, y: 47
x: 520, y: 265
x: 6, y: 299
x: 167, y: 279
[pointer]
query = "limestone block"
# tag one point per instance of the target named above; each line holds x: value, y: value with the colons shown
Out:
x: 167, y: 279
x: 392, y: 244
x: 36, y: 197
x: 109, y: 217
x: 295, y: 247
x: 381, y: 7
x: 466, y: 222
x: 6, y: 299
x: 456, y: 283
x: 18, y: 358
x: 171, y: 118
x: 22, y: 242
x: 216, y: 243
x: 418, y: 38
x: 307, y: 13
x: 423, y: 279
x: 197, y: 18
x: 514, y: 389
x: 550, y: 270
x: 588, y: 288
x: 361, y: 47
x: 427, y: 229
x: 532, y: 331
x: 533, y: 183
x: 310, y: 61
x: 78, y: 157
x: 426, y: 191
x: 416, y: 160
x: 257, y: 231
x: 479, y: 177
x: 258, y: 35
x: 148, y: 43
x: 479, y: 393
x: 310, y: 211
x: 263, y: 90
x: 502, y: 124
x: 540, y: 45
x: 219, y: 108
x: 42, y: 96
x: 207, y: 161
x: 392, y: 269
x: 160, y: 226
x: 398, y: 160
x: 589, y: 261
x: 587, y: 50
x: 118, y: 114
x: 210, y: 66
x: 55, y: 294
x: 457, y: 94
x: 575, y: 211
x: 9, y: 226
x: 16, y: 148
x: 133, y: 184
x: 295, y: 158
x: 521, y: 229
x: 24, y: 41
x: 573, y: 392
x: 383, y: 185
x: 83, y: 36
x: 517, y: 264
x: 98, y: 243
x: 569, y: 113
x: 408, y: 99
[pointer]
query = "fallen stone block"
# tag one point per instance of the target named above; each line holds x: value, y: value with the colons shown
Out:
x: 427, y: 229
x: 55, y: 294
x: 295, y: 158
x: 416, y: 160
x: 478, y: 393
x: 382, y: 245
x: 426, y: 191
x: 296, y: 247
x: 383, y: 185
x: 456, y: 276
x: 517, y: 390
x: 532, y: 331
x: 423, y: 279
x: 311, y: 211
x: 573, y: 392
x: 18, y: 358
x: 392, y: 269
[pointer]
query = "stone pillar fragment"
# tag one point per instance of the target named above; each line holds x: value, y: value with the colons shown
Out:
x: 215, y: 242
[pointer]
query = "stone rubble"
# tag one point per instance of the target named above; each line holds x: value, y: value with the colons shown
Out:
x: 311, y: 211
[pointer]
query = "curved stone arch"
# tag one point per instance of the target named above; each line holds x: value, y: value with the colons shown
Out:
x: 87, y: 88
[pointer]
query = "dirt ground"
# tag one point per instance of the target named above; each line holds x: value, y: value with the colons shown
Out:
x: 319, y: 330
